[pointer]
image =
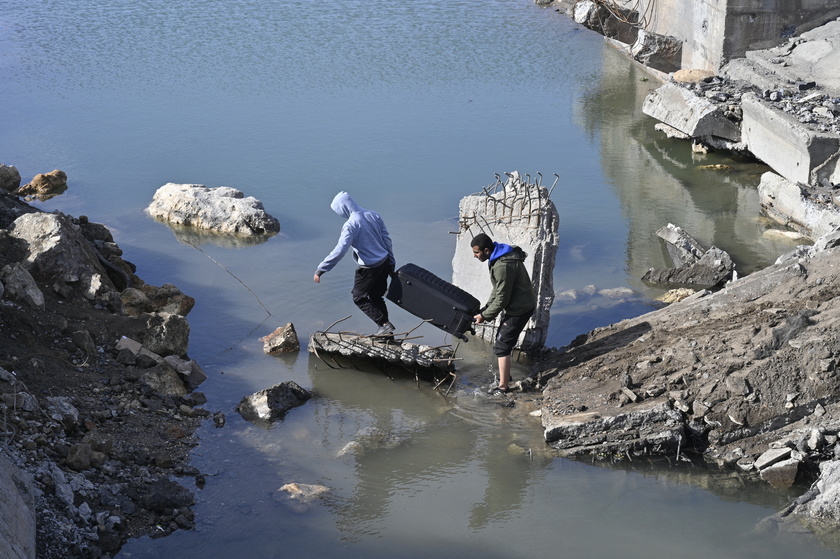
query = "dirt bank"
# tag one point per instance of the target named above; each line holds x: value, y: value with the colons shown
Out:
x: 745, y: 377
x: 108, y: 452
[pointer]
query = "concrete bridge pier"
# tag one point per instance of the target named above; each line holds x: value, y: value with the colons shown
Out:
x: 518, y: 212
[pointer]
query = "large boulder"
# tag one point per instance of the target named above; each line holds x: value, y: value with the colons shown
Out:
x: 222, y: 210
x: 58, y: 254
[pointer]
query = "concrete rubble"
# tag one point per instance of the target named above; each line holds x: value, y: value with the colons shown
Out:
x: 519, y: 212
x: 284, y: 339
x: 780, y: 105
x: 273, y: 403
x: 695, y: 266
x: 737, y: 83
x: 742, y: 378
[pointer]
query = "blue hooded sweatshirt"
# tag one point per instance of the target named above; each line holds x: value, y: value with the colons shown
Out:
x: 364, y: 232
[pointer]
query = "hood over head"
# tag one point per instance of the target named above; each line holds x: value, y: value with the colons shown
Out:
x: 344, y: 205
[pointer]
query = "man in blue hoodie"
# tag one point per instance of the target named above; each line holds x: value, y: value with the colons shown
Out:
x: 512, y: 293
x: 364, y: 232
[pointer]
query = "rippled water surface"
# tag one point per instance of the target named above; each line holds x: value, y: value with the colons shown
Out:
x: 409, y: 106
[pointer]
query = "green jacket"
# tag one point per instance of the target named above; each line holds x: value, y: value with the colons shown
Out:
x: 512, y: 288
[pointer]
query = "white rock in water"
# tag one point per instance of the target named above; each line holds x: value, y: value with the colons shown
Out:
x: 222, y: 209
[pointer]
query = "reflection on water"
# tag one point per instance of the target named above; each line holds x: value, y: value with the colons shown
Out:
x: 196, y: 237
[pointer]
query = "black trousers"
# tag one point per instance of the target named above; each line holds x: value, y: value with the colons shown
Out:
x: 508, y: 333
x: 369, y: 288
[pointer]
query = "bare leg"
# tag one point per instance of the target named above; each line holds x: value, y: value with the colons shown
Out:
x: 504, y: 372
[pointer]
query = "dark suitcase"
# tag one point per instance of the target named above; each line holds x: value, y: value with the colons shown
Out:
x: 427, y: 296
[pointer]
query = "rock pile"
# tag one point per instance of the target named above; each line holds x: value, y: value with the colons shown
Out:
x: 95, y: 395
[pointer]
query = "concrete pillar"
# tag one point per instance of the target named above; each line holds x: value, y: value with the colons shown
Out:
x: 516, y: 212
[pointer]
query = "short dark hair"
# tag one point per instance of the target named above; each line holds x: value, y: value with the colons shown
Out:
x: 482, y: 241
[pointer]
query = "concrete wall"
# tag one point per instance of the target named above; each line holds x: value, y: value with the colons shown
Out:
x: 716, y: 31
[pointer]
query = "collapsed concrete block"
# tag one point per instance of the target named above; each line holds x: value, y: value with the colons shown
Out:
x: 786, y: 201
x: 695, y: 116
x: 655, y: 51
x: 598, y: 18
x: 520, y: 213
x: 790, y: 148
x: 711, y: 270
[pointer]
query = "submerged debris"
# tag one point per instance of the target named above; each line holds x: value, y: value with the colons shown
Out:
x: 436, y: 361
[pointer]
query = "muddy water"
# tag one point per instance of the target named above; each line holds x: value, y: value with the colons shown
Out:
x: 408, y: 106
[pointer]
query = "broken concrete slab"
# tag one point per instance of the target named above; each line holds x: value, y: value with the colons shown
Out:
x: 517, y: 212
x: 136, y: 348
x: 792, y: 149
x: 711, y: 270
x: 683, y: 249
x: 413, y: 357
x: 772, y: 456
x: 815, y: 54
x: 698, y: 117
x: 792, y: 205
x: 649, y: 427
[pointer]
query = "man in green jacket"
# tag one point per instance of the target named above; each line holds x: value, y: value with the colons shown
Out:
x: 512, y: 293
